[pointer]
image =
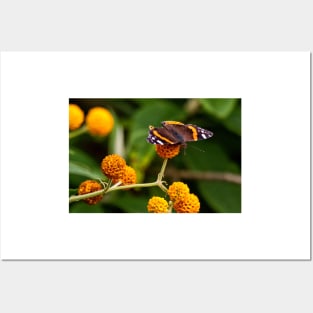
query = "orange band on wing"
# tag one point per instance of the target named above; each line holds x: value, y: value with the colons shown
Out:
x: 156, y: 133
x: 194, y: 133
x: 173, y: 123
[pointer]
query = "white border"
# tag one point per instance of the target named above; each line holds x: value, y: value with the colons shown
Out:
x: 275, y: 92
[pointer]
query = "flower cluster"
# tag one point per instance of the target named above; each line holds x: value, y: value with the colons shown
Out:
x: 178, y: 191
x: 158, y: 205
x: 89, y: 186
x: 128, y: 177
x: 167, y: 151
x: 76, y: 116
x: 99, y: 121
x: 116, y: 169
x: 181, y: 200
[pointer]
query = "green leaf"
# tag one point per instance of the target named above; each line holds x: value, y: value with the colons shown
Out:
x: 79, y: 168
x: 73, y: 191
x: 207, y: 155
x: 221, y: 196
x: 233, y: 121
x: 153, y: 101
x: 82, y: 207
x: 220, y: 108
x: 82, y: 164
x: 131, y: 203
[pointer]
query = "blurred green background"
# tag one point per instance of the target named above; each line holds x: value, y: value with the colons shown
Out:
x: 220, y: 154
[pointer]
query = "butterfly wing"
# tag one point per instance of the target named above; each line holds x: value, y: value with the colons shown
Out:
x: 162, y: 136
x: 202, y: 133
x: 187, y: 132
x: 174, y: 132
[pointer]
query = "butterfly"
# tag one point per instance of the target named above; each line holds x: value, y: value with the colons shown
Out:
x: 173, y: 133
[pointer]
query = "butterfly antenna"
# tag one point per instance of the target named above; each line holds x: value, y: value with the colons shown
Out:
x: 198, y: 149
x: 184, y: 146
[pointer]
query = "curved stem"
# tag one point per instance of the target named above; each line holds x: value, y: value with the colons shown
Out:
x: 161, y: 175
x: 86, y: 195
x: 157, y: 183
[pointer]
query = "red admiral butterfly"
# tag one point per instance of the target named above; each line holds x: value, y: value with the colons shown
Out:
x: 173, y: 133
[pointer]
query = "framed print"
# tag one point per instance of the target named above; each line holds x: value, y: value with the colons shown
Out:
x: 240, y: 122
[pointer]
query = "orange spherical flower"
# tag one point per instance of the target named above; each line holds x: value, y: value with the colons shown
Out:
x: 76, y: 116
x: 129, y: 177
x: 99, y: 121
x: 167, y: 151
x: 157, y: 205
x: 178, y: 191
x: 190, y: 204
x: 90, y: 186
x: 113, y: 166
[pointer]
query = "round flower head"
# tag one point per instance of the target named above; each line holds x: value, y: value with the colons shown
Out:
x: 157, y: 205
x: 178, y: 191
x: 128, y: 177
x: 113, y: 166
x: 76, y: 116
x: 90, y: 186
x: 99, y: 121
x: 190, y: 204
x: 167, y: 151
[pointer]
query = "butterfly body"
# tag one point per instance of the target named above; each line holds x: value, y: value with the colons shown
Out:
x: 173, y: 133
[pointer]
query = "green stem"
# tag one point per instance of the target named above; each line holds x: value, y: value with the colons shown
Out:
x: 86, y: 195
x: 78, y: 132
x: 157, y: 183
x: 161, y: 175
